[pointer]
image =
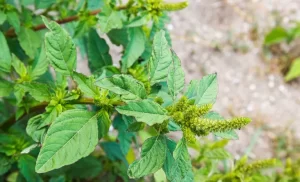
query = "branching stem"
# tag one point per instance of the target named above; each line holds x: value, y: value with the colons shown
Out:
x: 12, y: 33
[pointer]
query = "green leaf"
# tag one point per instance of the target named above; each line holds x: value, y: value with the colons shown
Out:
x: 134, y: 48
x: 167, y: 167
x: 88, y: 167
x: 5, y: 57
x: 13, y: 20
x: 294, y: 71
x: 175, y: 77
x: 113, y: 151
x: 82, y: 27
x: 124, y: 85
x: 6, y: 88
x: 34, y: 129
x: 95, y: 4
x: 161, y: 58
x: 137, y: 22
x: 2, y: 17
x: 43, y: 4
x: 86, y: 85
x: 153, y: 156
x: 103, y: 123
x: 72, y: 136
x: 98, y: 52
x: 146, y: 111
x: 58, y: 179
x: 205, y: 91
x: 218, y: 153
x: 182, y: 166
x: 109, y: 19
x: 29, y: 40
x: 39, y: 65
x: 19, y: 66
x: 60, y: 50
x: 119, y: 37
x: 136, y: 126
x: 230, y: 135
x: 125, y: 138
x: 5, y: 164
x: 39, y: 91
x: 26, y: 165
x: 276, y: 35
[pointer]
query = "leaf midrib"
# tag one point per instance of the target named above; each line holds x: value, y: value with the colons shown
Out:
x: 66, y: 142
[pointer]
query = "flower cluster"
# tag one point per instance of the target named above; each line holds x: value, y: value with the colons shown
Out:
x: 258, y: 165
x: 193, y: 122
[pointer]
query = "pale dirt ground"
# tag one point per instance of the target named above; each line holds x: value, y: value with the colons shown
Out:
x: 247, y: 87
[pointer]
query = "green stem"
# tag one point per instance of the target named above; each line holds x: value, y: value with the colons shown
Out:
x: 39, y: 109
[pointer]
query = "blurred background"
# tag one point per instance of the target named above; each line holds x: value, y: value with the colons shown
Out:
x: 230, y: 37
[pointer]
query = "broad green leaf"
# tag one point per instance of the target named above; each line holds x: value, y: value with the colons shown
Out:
x: 230, y: 135
x: 294, y: 71
x: 34, y: 129
x: 136, y: 126
x: 109, y: 19
x: 86, y: 84
x: 26, y: 165
x: 276, y: 35
x: 146, y: 111
x: 172, y: 126
x: 182, y: 166
x: 175, y: 77
x: 43, y: 4
x: 125, y: 138
x: 103, y: 123
x: 13, y: 20
x: 29, y: 40
x: 137, y: 21
x: 204, y: 91
x: 124, y: 85
x: 39, y: 65
x: 160, y: 25
x: 218, y: 153
x: 51, y: 114
x: 113, y: 151
x: 19, y: 66
x: 6, y: 88
x: 82, y: 27
x: 95, y: 4
x: 153, y: 156
x: 134, y: 48
x: 119, y: 36
x: 88, y: 167
x: 60, y: 49
x: 98, y: 51
x: 5, y: 57
x: 5, y: 164
x: 207, y: 90
x: 58, y: 179
x: 167, y: 167
x: 2, y: 17
x: 39, y: 91
x: 72, y: 136
x: 161, y: 58
x: 160, y: 176
x: 29, y: 149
